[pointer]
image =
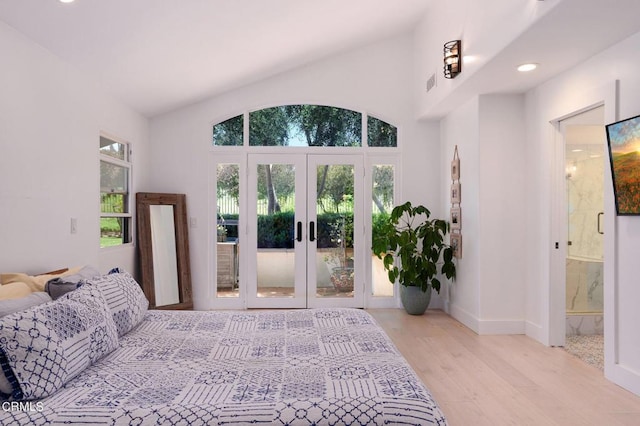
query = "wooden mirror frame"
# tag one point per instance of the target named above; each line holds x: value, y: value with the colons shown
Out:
x: 143, y: 202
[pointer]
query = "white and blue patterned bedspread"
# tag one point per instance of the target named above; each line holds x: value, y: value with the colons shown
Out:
x: 303, y: 367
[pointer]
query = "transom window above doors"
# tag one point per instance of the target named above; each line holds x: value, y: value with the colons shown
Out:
x: 305, y: 126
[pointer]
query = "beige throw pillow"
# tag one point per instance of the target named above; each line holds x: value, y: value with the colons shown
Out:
x: 14, y: 290
x: 35, y: 283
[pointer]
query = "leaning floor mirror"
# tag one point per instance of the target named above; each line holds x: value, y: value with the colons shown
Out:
x: 163, y: 246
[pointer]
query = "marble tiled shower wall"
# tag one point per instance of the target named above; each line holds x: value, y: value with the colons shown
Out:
x: 584, y: 265
x: 584, y: 286
x: 583, y: 325
x: 585, y: 196
x: 584, y: 297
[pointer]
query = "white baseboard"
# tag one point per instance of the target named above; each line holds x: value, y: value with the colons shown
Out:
x: 463, y: 316
x: 485, y: 326
x: 623, y: 376
x: 535, y: 332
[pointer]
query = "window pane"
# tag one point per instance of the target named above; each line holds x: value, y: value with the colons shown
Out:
x: 113, y: 203
x: 113, y: 149
x: 305, y: 125
x: 114, y: 231
x: 229, y: 132
x: 275, y: 225
x: 380, y: 133
x: 383, y: 177
x: 334, y: 199
x: 228, y: 247
x: 113, y: 178
x: 114, y: 193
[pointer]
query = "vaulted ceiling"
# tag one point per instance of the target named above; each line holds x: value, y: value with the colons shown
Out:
x: 157, y: 55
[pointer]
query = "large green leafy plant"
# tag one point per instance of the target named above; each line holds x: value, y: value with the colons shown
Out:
x: 417, y: 242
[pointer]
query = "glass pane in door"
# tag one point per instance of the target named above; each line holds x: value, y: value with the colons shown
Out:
x: 335, y: 214
x: 275, y: 230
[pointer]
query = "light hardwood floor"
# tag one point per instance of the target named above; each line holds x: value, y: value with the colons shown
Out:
x: 504, y: 380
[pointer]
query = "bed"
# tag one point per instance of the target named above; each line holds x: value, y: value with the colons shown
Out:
x: 299, y: 367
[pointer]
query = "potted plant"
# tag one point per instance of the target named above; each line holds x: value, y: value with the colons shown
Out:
x: 417, y: 243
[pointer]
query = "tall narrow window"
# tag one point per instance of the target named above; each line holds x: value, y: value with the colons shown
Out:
x: 382, y: 204
x: 115, y: 189
x: 228, y: 215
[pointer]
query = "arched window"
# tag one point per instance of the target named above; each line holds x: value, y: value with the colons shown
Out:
x: 229, y: 132
x: 381, y: 133
x: 305, y: 126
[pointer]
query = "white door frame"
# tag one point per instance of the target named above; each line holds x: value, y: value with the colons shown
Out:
x: 299, y: 245
x: 357, y: 301
x: 304, y: 250
x: 558, y: 303
x: 240, y: 157
x: 228, y: 302
x: 613, y: 369
x: 555, y: 320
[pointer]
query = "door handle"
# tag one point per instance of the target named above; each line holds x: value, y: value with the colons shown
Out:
x: 600, y: 231
x: 299, y: 232
x: 312, y: 231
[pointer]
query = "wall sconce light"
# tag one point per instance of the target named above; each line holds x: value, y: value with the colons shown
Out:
x: 452, y: 56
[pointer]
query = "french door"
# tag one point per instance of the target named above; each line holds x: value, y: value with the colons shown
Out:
x: 305, y: 231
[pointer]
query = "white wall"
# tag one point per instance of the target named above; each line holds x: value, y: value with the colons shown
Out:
x: 502, y: 209
x: 509, y: 158
x: 586, y: 84
x: 51, y: 117
x: 461, y: 128
x: 488, y: 130
x: 376, y: 79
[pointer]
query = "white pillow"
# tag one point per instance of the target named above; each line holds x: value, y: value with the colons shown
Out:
x: 44, y: 347
x: 10, y: 306
x: 125, y: 298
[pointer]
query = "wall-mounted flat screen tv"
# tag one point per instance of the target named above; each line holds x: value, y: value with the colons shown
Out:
x: 623, y: 138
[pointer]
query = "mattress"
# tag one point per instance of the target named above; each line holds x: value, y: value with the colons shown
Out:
x: 300, y: 367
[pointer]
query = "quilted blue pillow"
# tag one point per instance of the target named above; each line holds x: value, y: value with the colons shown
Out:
x: 124, y: 297
x: 44, y: 347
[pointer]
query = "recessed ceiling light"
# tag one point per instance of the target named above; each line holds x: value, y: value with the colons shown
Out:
x: 576, y: 150
x: 66, y: 1
x: 527, y: 67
